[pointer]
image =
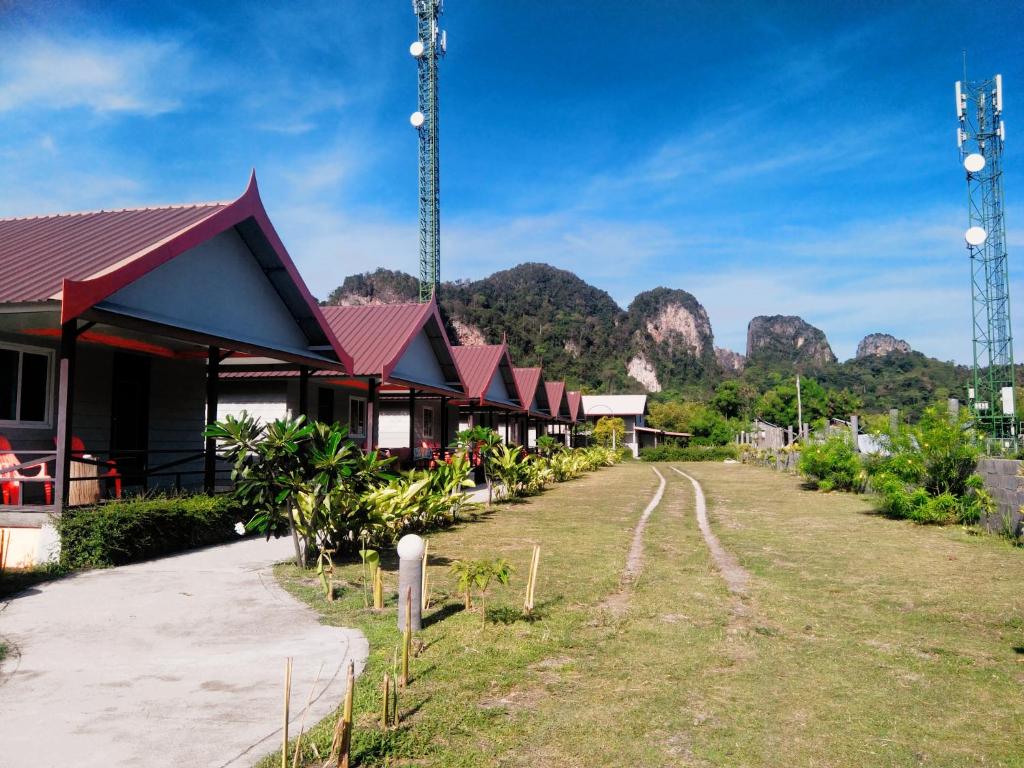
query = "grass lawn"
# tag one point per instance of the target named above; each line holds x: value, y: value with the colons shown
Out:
x: 863, y: 641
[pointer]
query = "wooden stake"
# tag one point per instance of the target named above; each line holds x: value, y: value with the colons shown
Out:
x: 302, y: 721
x: 407, y: 639
x: 346, y: 716
x: 378, y: 589
x: 531, y: 580
x: 287, y: 702
x: 385, y: 719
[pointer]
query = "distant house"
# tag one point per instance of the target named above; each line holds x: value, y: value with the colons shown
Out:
x: 493, y: 392
x: 401, y: 394
x: 561, y: 416
x: 534, y: 392
x: 114, y: 326
x: 632, y: 409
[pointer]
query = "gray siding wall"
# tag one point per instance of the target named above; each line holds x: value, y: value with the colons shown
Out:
x: 228, y: 268
x: 419, y: 363
x: 177, y: 417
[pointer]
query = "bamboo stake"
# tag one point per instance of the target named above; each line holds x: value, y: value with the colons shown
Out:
x: 425, y: 593
x: 386, y: 711
x: 531, y: 581
x: 287, y: 702
x: 346, y: 738
x: 302, y: 721
x: 407, y: 640
x: 378, y: 589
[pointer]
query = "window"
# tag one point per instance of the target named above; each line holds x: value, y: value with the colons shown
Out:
x: 25, y: 385
x: 428, y: 422
x: 357, y: 416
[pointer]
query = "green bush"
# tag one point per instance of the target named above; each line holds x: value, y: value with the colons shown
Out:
x: 832, y: 465
x: 690, y: 453
x: 927, y: 474
x: 140, y: 528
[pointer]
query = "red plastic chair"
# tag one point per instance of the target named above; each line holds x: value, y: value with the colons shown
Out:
x: 78, y: 452
x: 10, y: 479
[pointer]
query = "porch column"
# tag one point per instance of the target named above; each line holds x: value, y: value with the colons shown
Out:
x: 412, y: 425
x: 444, y: 423
x: 506, y: 427
x: 304, y: 391
x: 371, y: 416
x: 65, y: 399
x: 212, y: 373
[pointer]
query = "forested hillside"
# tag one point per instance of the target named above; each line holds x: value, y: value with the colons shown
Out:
x: 664, y: 344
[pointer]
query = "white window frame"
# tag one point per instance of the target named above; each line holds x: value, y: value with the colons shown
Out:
x: 50, y: 357
x: 427, y: 424
x: 362, y: 412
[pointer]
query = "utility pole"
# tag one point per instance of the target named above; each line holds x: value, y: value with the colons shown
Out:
x: 799, y: 407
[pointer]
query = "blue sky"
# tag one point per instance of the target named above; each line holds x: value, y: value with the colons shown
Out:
x: 776, y: 158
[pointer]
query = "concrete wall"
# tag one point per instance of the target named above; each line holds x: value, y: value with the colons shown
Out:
x: 1002, y: 481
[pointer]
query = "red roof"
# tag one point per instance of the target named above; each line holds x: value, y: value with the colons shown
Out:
x: 479, y: 365
x: 528, y: 381
x: 83, y: 258
x: 556, y: 396
x: 574, y: 398
x: 377, y: 335
x: 44, y: 250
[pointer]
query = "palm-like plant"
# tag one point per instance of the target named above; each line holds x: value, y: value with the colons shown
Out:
x: 484, y: 441
x: 479, y: 574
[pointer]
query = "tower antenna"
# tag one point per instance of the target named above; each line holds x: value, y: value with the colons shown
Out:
x: 430, y: 45
x: 980, y: 136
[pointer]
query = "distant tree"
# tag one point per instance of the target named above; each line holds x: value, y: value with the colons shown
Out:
x: 779, y: 404
x: 707, y: 425
x: 734, y: 399
x: 606, y: 427
x: 842, y: 402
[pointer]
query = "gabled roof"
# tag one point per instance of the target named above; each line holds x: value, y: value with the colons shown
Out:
x: 531, y: 387
x: 480, y: 364
x: 574, y: 405
x: 82, y: 259
x: 558, y: 405
x: 378, y: 335
x: 45, y: 250
x: 614, y: 405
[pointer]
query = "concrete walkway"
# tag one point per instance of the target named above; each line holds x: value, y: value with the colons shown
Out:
x: 174, y: 662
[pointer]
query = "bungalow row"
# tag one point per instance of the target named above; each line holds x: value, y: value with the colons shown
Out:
x: 124, y: 332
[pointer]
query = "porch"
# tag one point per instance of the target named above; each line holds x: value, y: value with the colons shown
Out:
x: 111, y: 349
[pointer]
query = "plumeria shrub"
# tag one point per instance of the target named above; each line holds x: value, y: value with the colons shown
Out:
x: 308, y: 480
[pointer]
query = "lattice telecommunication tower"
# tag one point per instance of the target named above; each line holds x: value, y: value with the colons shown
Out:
x: 980, y: 137
x: 430, y: 45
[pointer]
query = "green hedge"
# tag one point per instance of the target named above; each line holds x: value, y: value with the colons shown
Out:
x: 689, y: 453
x: 140, y: 528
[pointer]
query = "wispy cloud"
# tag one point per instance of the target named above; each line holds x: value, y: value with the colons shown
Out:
x: 103, y: 76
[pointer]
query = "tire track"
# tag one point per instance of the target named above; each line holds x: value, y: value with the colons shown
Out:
x: 736, y: 577
x: 634, y: 561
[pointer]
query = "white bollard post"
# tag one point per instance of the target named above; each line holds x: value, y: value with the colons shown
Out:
x: 410, y: 575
